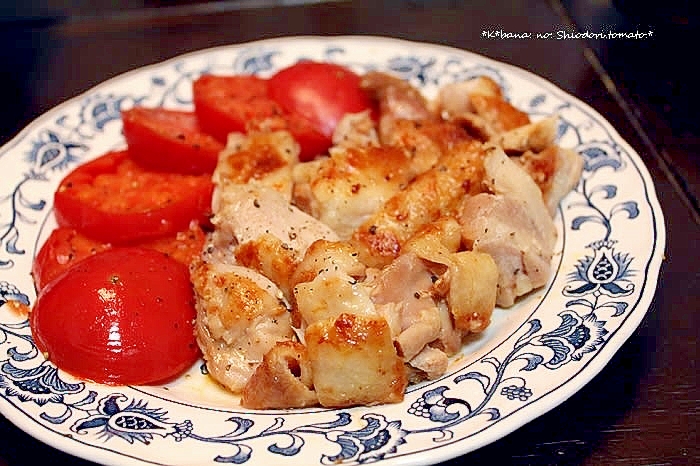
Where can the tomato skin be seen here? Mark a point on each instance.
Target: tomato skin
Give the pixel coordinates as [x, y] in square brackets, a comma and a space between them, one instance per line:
[123, 316]
[66, 246]
[226, 104]
[311, 142]
[169, 140]
[319, 92]
[62, 249]
[112, 199]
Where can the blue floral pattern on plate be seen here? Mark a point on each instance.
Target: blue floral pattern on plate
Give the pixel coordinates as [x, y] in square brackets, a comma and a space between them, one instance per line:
[611, 240]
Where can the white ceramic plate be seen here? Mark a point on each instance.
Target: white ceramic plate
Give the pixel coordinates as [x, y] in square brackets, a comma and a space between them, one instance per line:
[533, 357]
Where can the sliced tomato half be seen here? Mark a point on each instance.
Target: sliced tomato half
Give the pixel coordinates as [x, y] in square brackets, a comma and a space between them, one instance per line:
[66, 246]
[320, 92]
[169, 140]
[226, 104]
[121, 316]
[113, 199]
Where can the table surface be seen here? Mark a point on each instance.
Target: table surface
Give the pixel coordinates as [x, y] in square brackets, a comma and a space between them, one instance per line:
[642, 408]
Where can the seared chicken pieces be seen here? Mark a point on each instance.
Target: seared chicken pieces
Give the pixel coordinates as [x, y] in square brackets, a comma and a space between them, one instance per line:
[431, 195]
[345, 188]
[479, 105]
[338, 281]
[240, 317]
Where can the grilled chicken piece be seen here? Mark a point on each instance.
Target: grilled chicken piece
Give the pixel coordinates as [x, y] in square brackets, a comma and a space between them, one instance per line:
[283, 380]
[479, 105]
[502, 227]
[505, 177]
[327, 282]
[261, 158]
[271, 257]
[512, 225]
[431, 195]
[350, 344]
[331, 293]
[240, 317]
[402, 291]
[498, 114]
[398, 100]
[396, 97]
[343, 190]
[356, 130]
[555, 170]
[435, 243]
[260, 230]
[455, 98]
[354, 361]
[533, 137]
[425, 141]
[329, 256]
[430, 363]
[473, 278]
[247, 213]
[466, 280]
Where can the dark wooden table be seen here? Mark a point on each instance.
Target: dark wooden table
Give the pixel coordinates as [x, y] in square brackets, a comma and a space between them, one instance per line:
[642, 409]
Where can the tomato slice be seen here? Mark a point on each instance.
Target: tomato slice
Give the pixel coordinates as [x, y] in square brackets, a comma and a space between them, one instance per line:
[183, 246]
[113, 199]
[226, 104]
[62, 249]
[311, 142]
[122, 316]
[65, 247]
[319, 92]
[169, 140]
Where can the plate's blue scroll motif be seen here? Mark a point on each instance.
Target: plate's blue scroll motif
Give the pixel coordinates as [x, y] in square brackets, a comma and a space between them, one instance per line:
[597, 297]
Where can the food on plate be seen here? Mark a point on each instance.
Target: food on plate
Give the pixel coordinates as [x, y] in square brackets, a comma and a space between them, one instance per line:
[115, 303]
[226, 104]
[320, 92]
[113, 199]
[66, 246]
[169, 140]
[339, 280]
[351, 234]
[307, 99]
[63, 248]
[122, 316]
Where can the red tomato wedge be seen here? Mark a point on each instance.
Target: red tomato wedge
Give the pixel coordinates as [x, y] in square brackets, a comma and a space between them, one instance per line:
[113, 199]
[169, 140]
[122, 316]
[319, 92]
[226, 104]
[65, 247]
